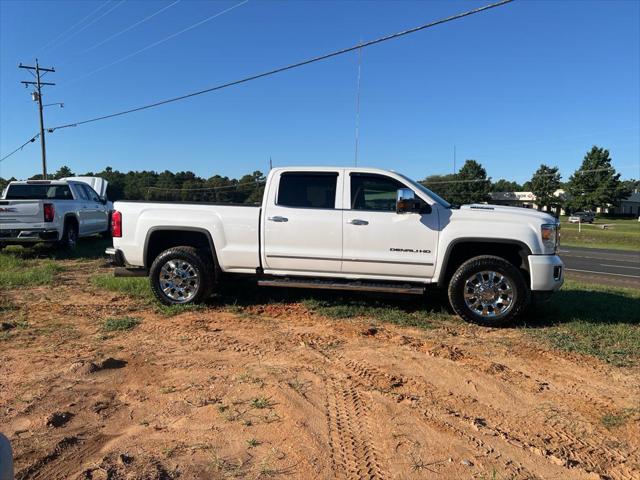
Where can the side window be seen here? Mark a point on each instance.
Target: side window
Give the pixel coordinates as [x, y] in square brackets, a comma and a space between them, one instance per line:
[374, 192]
[307, 190]
[91, 193]
[82, 194]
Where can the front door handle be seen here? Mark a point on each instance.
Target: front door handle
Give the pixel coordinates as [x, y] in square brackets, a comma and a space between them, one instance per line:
[357, 221]
[278, 219]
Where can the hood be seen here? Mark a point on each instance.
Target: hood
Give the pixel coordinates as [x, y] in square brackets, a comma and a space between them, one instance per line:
[481, 208]
[97, 183]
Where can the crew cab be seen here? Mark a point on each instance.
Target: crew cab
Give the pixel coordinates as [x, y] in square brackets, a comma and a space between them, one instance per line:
[54, 211]
[344, 228]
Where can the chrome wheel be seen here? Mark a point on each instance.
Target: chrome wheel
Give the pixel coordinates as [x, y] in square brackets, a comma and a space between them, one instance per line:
[489, 294]
[179, 280]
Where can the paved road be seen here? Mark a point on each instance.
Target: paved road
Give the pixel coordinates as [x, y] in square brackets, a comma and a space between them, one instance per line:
[610, 267]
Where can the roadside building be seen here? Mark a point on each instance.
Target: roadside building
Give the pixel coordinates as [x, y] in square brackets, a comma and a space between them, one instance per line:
[629, 206]
[522, 199]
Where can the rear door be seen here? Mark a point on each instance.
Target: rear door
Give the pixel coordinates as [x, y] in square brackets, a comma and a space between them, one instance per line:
[303, 222]
[83, 207]
[377, 240]
[98, 212]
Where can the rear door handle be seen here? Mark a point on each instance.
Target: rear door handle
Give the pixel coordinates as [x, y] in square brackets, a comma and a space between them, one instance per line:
[278, 219]
[357, 221]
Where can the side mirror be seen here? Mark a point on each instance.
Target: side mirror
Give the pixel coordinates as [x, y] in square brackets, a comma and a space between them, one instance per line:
[103, 200]
[406, 202]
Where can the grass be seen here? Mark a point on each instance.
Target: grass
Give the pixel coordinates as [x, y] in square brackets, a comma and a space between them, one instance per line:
[120, 324]
[252, 443]
[138, 288]
[617, 419]
[591, 319]
[87, 248]
[408, 314]
[17, 272]
[260, 402]
[622, 235]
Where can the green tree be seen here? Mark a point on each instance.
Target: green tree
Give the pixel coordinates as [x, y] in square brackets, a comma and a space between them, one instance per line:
[544, 182]
[471, 184]
[63, 172]
[596, 184]
[4, 182]
[503, 185]
[440, 184]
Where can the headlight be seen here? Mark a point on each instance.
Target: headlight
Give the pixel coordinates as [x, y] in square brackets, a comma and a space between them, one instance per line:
[549, 234]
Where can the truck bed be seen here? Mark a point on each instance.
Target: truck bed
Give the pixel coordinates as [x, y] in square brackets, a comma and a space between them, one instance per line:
[232, 228]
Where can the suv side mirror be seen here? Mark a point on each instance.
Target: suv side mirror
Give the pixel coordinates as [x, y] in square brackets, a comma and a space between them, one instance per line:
[103, 200]
[406, 202]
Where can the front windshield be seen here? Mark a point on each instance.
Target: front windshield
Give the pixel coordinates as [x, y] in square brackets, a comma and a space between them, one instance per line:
[439, 200]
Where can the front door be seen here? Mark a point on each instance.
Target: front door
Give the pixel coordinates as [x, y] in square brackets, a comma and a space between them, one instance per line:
[302, 226]
[377, 240]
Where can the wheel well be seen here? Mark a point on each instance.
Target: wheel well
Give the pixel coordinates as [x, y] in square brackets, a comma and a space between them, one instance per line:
[513, 252]
[71, 219]
[160, 240]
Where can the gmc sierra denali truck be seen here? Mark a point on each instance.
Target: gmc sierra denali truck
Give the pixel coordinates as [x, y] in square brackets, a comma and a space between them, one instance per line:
[344, 228]
[54, 211]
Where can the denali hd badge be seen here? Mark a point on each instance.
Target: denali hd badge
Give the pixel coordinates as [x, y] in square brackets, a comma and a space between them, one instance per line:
[409, 250]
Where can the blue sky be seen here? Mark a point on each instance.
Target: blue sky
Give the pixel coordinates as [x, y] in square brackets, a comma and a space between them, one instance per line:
[523, 84]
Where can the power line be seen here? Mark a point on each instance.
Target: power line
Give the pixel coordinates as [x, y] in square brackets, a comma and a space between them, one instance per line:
[291, 66]
[32, 139]
[130, 27]
[104, 14]
[155, 44]
[48, 44]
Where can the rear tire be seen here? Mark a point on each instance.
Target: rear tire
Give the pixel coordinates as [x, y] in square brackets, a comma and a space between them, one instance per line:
[489, 291]
[181, 276]
[69, 239]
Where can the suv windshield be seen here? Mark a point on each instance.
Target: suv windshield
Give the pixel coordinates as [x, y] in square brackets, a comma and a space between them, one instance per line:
[38, 192]
[441, 201]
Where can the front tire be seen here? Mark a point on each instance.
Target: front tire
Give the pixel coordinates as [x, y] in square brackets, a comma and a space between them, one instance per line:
[182, 275]
[489, 291]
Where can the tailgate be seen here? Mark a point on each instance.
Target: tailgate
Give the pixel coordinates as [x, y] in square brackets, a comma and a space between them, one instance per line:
[16, 212]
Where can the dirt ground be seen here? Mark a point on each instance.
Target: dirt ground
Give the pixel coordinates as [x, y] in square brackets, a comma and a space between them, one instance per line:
[275, 391]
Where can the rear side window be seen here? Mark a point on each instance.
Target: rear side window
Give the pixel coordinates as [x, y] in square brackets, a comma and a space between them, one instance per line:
[307, 190]
[39, 192]
[82, 194]
[91, 193]
[374, 192]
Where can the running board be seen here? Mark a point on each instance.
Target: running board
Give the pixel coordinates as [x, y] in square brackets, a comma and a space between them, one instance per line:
[358, 286]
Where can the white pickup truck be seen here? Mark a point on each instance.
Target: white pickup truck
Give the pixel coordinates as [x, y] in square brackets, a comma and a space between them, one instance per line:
[344, 228]
[57, 211]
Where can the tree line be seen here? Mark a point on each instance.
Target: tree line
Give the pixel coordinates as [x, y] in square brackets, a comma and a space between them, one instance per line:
[595, 184]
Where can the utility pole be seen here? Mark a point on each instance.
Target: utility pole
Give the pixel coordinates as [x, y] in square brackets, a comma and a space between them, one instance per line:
[454, 159]
[355, 162]
[37, 96]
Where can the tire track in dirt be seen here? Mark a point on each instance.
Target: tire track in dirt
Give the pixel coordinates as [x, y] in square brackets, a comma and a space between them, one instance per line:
[66, 457]
[353, 453]
[557, 446]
